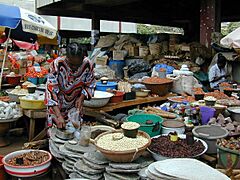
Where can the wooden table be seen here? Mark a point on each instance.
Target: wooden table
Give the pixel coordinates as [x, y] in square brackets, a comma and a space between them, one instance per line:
[33, 115]
[94, 112]
[113, 106]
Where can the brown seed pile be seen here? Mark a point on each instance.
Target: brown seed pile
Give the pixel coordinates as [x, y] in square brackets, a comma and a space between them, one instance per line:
[165, 147]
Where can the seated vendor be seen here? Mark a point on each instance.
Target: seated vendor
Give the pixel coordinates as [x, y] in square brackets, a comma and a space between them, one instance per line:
[217, 73]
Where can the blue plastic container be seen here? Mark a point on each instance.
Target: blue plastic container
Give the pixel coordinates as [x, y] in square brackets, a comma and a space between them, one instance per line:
[104, 87]
[117, 66]
[33, 80]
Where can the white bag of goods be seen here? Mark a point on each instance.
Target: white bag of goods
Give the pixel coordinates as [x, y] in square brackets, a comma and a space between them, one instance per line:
[184, 84]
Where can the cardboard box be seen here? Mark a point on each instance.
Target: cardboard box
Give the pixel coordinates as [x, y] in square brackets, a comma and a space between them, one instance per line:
[102, 60]
[133, 51]
[118, 55]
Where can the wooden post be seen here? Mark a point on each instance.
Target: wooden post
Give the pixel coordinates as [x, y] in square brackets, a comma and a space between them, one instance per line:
[210, 20]
[5, 57]
[95, 31]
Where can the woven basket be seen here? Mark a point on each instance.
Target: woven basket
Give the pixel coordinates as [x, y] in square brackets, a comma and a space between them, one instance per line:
[123, 156]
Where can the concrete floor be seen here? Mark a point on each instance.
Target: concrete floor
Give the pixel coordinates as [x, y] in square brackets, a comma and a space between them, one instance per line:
[16, 144]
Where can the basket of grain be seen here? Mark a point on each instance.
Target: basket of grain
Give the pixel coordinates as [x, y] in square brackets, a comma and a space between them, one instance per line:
[159, 86]
[119, 148]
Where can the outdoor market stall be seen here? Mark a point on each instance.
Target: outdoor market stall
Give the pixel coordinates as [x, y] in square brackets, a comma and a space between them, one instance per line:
[171, 124]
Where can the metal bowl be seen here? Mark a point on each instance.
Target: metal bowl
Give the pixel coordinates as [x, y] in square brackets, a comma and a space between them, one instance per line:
[235, 113]
[64, 134]
[99, 99]
[26, 171]
[142, 93]
[159, 157]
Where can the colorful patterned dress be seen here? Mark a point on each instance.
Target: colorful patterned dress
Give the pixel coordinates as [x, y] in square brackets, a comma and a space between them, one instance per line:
[65, 86]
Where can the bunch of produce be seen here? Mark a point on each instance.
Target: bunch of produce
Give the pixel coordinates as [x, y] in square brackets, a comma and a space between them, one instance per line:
[175, 149]
[9, 110]
[159, 112]
[32, 158]
[233, 127]
[33, 74]
[232, 143]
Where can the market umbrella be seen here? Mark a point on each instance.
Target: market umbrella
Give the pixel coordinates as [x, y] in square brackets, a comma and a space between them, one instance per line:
[23, 23]
[232, 40]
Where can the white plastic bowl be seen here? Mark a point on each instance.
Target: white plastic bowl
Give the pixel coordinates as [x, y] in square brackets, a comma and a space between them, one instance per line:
[99, 99]
[159, 157]
[25, 171]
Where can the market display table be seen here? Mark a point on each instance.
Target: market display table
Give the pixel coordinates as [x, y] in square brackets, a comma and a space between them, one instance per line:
[113, 106]
[34, 115]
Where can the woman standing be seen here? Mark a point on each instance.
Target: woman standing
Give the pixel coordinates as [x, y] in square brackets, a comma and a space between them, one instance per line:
[70, 81]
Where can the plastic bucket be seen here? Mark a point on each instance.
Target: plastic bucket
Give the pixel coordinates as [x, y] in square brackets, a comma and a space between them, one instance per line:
[2, 171]
[118, 97]
[117, 66]
[206, 114]
[42, 80]
[33, 80]
[31, 104]
[152, 129]
[105, 87]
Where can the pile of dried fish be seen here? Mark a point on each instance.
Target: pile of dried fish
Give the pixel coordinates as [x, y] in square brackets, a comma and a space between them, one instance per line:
[31, 158]
[159, 112]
